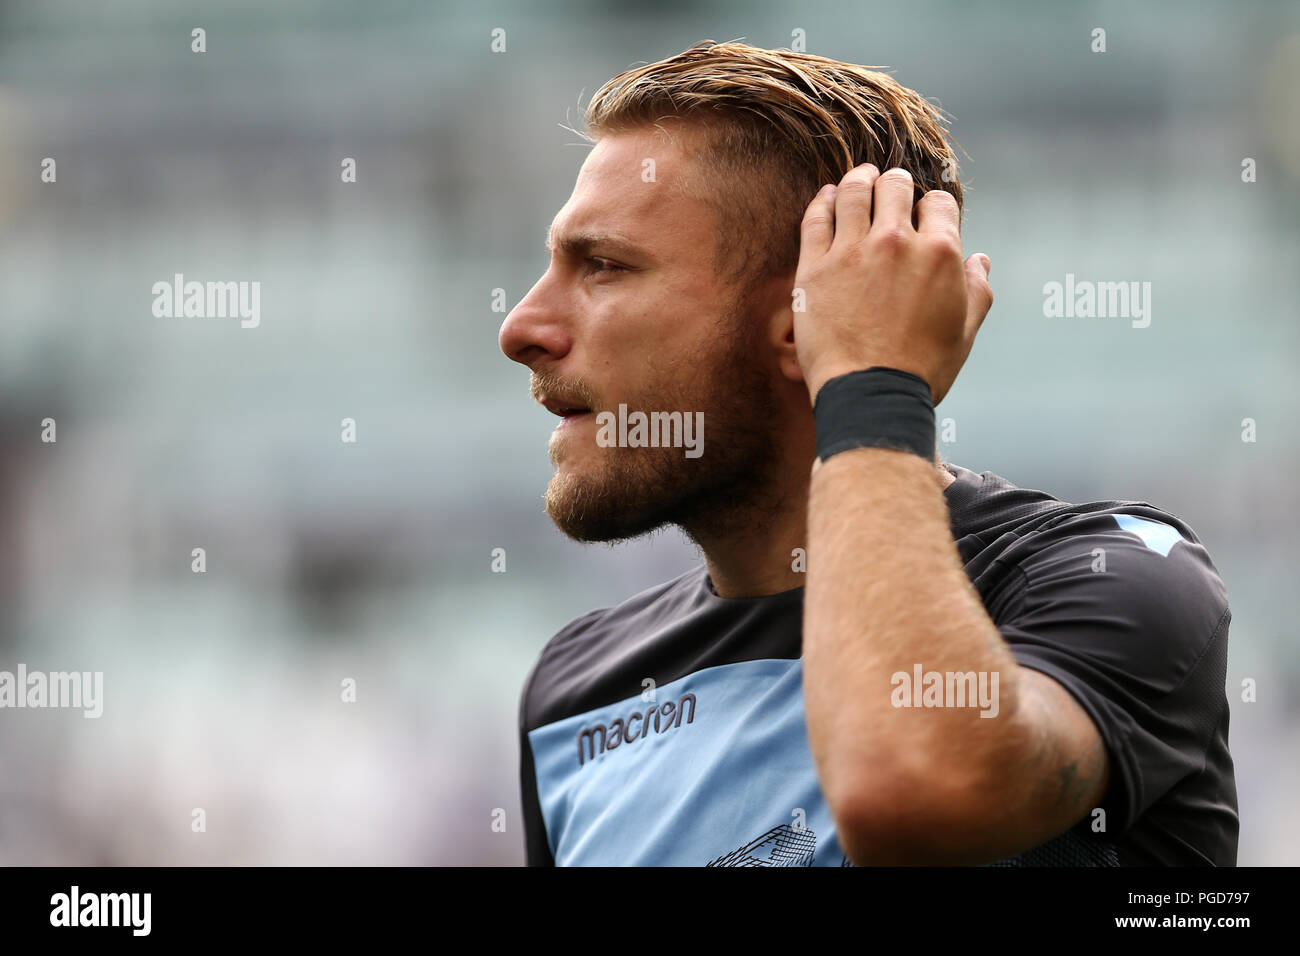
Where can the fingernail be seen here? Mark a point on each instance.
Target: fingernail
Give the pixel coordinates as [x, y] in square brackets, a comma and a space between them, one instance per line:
[988, 263]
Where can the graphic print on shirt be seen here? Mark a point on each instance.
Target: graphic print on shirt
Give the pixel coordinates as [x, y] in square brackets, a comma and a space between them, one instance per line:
[729, 758]
[780, 846]
[1156, 535]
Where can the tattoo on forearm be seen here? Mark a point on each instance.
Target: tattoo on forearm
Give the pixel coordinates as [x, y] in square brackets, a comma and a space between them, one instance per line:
[1080, 778]
[1069, 783]
[1075, 783]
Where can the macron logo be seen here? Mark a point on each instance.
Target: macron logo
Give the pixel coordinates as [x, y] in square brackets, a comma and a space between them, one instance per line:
[635, 726]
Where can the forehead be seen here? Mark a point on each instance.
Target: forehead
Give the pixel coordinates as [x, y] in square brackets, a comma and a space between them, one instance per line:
[644, 187]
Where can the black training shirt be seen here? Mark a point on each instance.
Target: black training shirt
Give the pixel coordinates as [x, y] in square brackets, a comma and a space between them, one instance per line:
[669, 730]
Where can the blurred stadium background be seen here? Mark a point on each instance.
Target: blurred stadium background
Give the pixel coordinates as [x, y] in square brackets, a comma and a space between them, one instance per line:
[371, 560]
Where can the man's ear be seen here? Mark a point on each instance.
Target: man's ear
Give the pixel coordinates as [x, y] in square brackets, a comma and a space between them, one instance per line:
[781, 327]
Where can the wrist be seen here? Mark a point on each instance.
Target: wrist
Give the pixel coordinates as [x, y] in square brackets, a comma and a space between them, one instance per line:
[819, 375]
[876, 407]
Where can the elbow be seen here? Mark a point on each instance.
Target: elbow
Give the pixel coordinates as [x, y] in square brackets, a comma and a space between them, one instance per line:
[950, 799]
[874, 837]
[914, 819]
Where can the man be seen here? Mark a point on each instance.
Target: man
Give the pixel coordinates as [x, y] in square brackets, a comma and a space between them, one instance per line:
[884, 659]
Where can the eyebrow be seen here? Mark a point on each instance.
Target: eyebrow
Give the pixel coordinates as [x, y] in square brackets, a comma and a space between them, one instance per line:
[580, 244]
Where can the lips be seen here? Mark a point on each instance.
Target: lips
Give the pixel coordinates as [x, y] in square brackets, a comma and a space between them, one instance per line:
[563, 408]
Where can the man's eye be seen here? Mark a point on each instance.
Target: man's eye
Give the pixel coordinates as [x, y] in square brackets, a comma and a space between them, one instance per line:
[596, 264]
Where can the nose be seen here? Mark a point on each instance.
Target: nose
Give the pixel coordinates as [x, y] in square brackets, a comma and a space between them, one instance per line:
[536, 328]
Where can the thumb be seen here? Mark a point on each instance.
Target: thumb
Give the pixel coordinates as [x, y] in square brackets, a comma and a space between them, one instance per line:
[979, 295]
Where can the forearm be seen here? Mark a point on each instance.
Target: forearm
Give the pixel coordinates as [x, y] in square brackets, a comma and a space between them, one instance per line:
[886, 591]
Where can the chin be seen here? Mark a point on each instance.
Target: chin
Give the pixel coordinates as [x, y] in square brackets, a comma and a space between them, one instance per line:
[567, 450]
[572, 467]
[594, 506]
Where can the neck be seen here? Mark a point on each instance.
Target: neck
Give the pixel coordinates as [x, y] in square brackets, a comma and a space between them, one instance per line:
[753, 552]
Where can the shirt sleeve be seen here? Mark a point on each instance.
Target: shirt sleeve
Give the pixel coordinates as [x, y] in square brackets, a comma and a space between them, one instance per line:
[1130, 616]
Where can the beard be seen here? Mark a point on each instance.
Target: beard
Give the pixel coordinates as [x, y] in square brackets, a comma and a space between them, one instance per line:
[628, 492]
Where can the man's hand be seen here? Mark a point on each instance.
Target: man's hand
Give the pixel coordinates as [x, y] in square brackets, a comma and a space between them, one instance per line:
[878, 291]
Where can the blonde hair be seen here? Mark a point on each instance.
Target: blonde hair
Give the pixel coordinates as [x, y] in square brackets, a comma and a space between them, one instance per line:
[776, 126]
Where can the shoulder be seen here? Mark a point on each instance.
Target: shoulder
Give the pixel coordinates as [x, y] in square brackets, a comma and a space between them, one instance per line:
[1125, 583]
[584, 646]
[1123, 548]
[653, 602]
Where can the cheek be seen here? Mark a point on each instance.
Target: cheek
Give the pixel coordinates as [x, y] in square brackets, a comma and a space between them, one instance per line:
[664, 350]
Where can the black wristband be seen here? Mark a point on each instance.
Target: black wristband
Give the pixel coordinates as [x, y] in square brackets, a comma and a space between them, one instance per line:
[875, 408]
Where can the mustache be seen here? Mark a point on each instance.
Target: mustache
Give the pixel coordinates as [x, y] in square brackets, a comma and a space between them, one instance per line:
[570, 391]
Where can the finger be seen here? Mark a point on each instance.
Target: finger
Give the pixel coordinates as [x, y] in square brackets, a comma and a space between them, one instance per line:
[818, 227]
[937, 212]
[853, 203]
[893, 202]
[979, 294]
